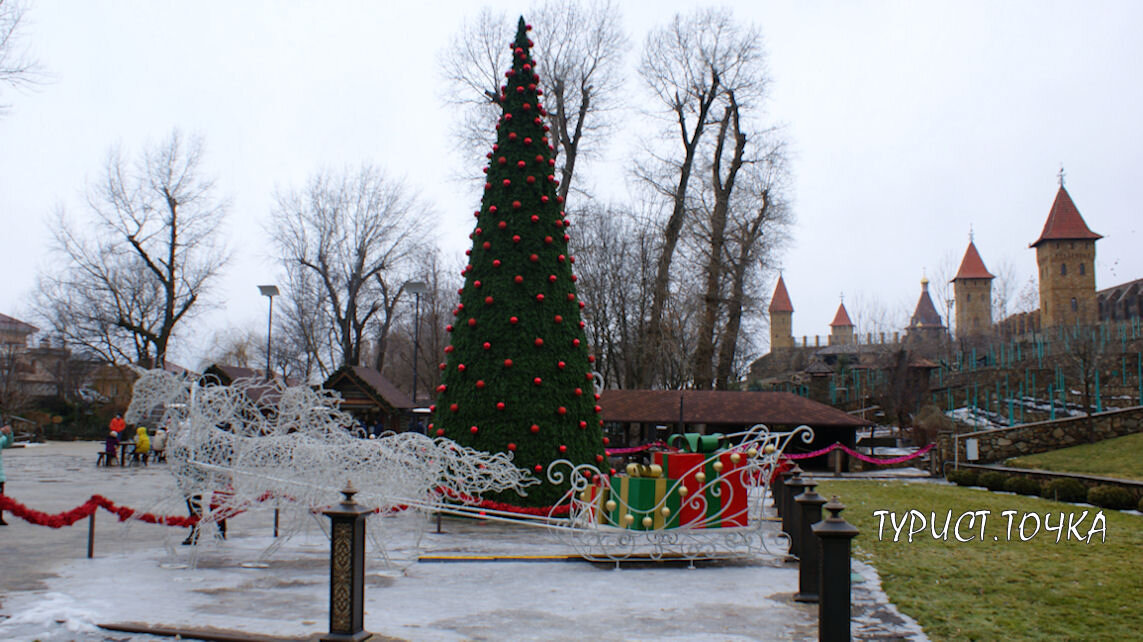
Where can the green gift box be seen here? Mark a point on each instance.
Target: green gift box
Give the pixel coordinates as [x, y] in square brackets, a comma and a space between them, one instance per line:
[644, 503]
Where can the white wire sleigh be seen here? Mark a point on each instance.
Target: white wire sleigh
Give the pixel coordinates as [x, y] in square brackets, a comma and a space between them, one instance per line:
[703, 506]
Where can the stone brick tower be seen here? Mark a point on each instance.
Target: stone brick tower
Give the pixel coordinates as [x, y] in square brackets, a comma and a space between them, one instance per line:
[972, 290]
[841, 328]
[1065, 254]
[781, 318]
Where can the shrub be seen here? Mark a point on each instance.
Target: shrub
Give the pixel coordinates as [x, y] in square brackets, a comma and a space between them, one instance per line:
[1065, 490]
[1140, 506]
[1022, 485]
[963, 477]
[993, 480]
[1115, 497]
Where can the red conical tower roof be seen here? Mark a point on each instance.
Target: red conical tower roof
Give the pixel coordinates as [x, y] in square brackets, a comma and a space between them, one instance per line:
[780, 302]
[1065, 223]
[841, 319]
[971, 266]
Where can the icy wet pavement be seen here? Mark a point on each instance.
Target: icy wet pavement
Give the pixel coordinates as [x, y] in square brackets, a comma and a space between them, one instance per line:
[50, 591]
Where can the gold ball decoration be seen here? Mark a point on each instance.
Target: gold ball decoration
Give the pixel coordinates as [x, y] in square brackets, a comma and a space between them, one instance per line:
[648, 522]
[700, 476]
[584, 496]
[656, 470]
[735, 458]
[753, 452]
[717, 466]
[769, 449]
[683, 490]
[628, 519]
[610, 505]
[666, 511]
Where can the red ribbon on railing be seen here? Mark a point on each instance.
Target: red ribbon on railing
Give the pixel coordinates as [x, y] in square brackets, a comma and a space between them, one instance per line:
[861, 456]
[561, 509]
[86, 509]
[639, 449]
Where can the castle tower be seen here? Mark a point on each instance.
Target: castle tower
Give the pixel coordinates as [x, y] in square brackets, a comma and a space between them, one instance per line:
[841, 328]
[926, 326]
[781, 318]
[1065, 254]
[972, 290]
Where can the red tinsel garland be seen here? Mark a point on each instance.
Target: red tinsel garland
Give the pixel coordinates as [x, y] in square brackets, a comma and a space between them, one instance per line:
[86, 509]
[559, 510]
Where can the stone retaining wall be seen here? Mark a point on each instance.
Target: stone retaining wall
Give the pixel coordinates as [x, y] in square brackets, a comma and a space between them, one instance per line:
[1028, 439]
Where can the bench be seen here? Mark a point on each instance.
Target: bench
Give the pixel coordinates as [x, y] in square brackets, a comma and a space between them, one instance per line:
[105, 459]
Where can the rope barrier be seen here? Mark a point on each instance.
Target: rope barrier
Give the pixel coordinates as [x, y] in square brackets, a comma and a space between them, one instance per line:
[86, 509]
[861, 456]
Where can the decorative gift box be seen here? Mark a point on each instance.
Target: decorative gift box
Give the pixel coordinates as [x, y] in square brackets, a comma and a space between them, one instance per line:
[714, 489]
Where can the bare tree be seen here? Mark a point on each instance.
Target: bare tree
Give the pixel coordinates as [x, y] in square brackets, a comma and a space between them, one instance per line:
[348, 240]
[143, 260]
[690, 65]
[18, 69]
[579, 49]
[1004, 290]
[617, 249]
[760, 212]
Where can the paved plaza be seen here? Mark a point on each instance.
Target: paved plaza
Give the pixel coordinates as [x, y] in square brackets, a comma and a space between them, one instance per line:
[142, 577]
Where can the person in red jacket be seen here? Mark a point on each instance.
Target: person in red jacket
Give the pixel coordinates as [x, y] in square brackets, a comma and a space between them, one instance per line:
[118, 425]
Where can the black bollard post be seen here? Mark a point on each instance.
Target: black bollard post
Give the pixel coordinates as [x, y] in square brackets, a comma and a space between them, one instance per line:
[347, 569]
[834, 600]
[791, 520]
[777, 488]
[786, 477]
[91, 535]
[809, 562]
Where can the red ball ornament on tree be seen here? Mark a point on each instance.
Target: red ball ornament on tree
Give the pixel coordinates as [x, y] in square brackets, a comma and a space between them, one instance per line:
[531, 180]
[575, 342]
[599, 459]
[537, 381]
[480, 384]
[535, 429]
[496, 263]
[487, 346]
[473, 430]
[440, 432]
[513, 320]
[518, 279]
[579, 392]
[507, 363]
[515, 204]
[558, 319]
[606, 441]
[540, 297]
[452, 407]
[488, 300]
[516, 238]
[583, 425]
[561, 365]
[460, 367]
[512, 447]
[486, 245]
[563, 448]
[471, 322]
[500, 405]
[535, 219]
[534, 258]
[507, 182]
[538, 468]
[561, 410]
[539, 342]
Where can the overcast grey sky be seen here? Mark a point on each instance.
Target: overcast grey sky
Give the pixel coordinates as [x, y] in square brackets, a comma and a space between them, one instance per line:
[909, 123]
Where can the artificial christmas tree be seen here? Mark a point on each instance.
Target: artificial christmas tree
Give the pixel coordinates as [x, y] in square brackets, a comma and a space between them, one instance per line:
[517, 376]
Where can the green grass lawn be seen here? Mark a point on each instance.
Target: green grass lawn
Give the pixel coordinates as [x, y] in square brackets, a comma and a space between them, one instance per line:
[1000, 588]
[1120, 457]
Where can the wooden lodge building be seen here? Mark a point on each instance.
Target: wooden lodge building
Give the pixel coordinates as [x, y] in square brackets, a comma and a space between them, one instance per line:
[640, 416]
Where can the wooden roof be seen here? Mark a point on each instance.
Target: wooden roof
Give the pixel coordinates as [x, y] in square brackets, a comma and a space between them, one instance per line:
[371, 383]
[722, 407]
[1064, 222]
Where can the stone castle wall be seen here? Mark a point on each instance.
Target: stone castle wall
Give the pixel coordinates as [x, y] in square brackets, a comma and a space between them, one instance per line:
[1029, 439]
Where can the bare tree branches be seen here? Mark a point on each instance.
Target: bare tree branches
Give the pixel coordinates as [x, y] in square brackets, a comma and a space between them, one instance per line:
[579, 47]
[18, 69]
[347, 241]
[690, 65]
[153, 253]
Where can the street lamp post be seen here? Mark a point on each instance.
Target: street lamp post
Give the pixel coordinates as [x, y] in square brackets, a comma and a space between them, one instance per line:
[269, 291]
[416, 288]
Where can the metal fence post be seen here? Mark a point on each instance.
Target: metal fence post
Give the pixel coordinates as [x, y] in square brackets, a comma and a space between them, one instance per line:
[809, 562]
[91, 535]
[834, 601]
[347, 569]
